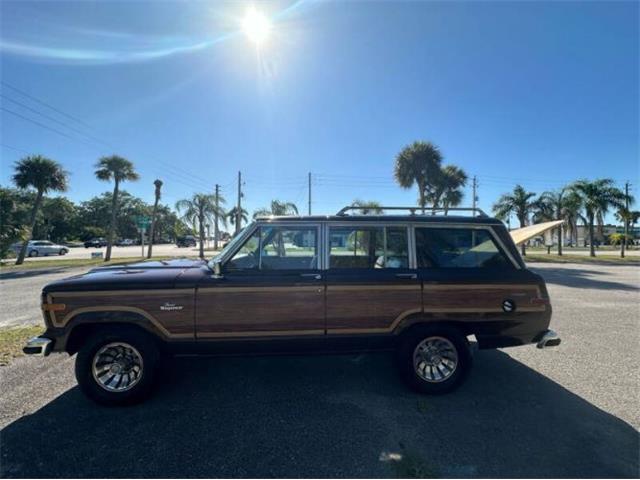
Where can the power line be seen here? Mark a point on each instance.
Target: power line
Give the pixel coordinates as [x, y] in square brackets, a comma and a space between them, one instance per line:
[13, 148]
[42, 102]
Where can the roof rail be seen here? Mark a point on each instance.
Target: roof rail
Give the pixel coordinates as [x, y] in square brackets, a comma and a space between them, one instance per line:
[415, 210]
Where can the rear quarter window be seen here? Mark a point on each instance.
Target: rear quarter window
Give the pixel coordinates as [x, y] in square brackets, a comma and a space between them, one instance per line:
[458, 248]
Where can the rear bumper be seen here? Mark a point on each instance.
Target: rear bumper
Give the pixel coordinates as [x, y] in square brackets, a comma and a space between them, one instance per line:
[38, 346]
[542, 339]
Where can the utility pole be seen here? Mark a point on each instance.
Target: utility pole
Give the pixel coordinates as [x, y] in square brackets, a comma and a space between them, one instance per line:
[309, 193]
[625, 219]
[215, 218]
[475, 196]
[239, 205]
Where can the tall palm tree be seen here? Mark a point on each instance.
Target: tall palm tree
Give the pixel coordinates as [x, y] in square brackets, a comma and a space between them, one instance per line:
[43, 175]
[218, 215]
[450, 185]
[198, 211]
[368, 207]
[119, 170]
[597, 197]
[158, 184]
[559, 204]
[277, 208]
[571, 212]
[419, 164]
[232, 215]
[518, 203]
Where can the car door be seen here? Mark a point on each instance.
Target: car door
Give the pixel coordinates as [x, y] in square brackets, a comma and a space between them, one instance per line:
[271, 285]
[371, 282]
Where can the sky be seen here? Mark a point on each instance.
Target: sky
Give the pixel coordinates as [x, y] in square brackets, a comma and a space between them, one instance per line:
[539, 93]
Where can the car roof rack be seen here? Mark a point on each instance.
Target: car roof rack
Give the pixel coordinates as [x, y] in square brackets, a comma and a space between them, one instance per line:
[415, 210]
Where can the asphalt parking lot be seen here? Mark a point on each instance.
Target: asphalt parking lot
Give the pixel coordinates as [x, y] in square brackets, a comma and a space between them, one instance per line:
[565, 412]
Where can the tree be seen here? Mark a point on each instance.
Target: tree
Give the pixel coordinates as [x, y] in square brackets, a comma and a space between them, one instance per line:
[218, 215]
[450, 184]
[518, 203]
[596, 198]
[560, 205]
[232, 215]
[418, 164]
[572, 208]
[196, 211]
[118, 169]
[277, 208]
[158, 186]
[368, 207]
[43, 175]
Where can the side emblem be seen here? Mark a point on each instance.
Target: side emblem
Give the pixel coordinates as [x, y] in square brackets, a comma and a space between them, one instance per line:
[170, 307]
[508, 305]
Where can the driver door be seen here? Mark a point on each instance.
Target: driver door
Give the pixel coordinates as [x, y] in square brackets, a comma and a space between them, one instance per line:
[271, 286]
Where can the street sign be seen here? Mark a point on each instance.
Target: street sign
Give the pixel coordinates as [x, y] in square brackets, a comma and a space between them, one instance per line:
[142, 222]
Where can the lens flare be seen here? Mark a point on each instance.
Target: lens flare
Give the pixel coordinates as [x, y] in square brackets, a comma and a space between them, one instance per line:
[256, 26]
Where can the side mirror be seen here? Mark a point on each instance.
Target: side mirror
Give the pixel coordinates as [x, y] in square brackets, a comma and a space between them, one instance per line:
[217, 268]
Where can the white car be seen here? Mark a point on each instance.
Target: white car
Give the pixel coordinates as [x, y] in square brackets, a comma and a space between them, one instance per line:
[37, 248]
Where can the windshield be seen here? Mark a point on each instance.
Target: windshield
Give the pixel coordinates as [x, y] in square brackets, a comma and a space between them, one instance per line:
[231, 245]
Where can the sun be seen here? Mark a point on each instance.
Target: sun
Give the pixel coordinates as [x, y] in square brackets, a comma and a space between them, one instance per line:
[256, 26]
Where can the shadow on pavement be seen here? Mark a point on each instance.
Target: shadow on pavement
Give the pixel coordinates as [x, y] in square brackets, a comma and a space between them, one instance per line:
[333, 416]
[581, 278]
[31, 272]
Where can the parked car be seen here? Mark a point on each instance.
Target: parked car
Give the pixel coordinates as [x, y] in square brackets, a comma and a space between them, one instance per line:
[96, 243]
[415, 284]
[38, 248]
[125, 242]
[186, 241]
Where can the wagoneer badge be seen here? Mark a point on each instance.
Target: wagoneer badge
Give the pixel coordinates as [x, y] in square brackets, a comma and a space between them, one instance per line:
[169, 307]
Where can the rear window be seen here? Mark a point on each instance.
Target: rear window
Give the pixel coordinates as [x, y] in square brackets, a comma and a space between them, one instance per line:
[458, 248]
[368, 247]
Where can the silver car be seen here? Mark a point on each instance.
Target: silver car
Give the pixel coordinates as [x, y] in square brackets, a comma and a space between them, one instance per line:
[37, 248]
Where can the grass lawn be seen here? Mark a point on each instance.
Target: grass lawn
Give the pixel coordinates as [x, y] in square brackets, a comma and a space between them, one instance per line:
[605, 259]
[75, 262]
[12, 339]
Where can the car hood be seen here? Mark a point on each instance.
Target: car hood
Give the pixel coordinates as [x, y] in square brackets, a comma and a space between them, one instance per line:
[158, 274]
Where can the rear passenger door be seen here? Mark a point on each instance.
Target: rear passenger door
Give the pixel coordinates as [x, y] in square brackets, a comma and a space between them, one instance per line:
[370, 283]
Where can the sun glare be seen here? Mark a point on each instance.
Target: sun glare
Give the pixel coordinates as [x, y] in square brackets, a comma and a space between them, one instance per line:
[256, 26]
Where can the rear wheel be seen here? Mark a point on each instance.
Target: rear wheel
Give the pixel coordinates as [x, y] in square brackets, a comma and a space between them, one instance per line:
[434, 359]
[62, 251]
[33, 253]
[117, 366]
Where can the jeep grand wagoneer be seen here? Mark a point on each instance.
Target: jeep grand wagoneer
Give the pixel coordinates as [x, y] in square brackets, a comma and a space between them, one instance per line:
[419, 284]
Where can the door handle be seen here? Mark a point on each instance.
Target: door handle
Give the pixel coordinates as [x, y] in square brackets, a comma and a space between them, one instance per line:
[315, 276]
[408, 276]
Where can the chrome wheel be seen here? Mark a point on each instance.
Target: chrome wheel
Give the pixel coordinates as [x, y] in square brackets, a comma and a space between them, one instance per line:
[435, 359]
[117, 367]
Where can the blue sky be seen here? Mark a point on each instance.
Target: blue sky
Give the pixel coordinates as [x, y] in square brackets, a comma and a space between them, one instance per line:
[536, 92]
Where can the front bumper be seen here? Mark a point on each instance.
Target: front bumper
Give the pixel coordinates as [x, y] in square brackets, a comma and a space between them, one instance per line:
[38, 346]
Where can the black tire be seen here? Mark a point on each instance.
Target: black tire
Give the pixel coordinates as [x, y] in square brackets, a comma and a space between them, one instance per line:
[62, 251]
[405, 359]
[145, 345]
[33, 253]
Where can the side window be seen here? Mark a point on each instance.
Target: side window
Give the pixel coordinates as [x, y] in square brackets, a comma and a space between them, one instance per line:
[368, 247]
[458, 248]
[278, 248]
[289, 248]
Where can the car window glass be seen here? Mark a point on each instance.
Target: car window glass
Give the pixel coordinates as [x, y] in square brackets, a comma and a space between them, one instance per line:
[248, 256]
[457, 248]
[288, 248]
[368, 247]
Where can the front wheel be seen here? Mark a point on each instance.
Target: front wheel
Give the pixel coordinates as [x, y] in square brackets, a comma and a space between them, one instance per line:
[62, 251]
[33, 253]
[434, 359]
[117, 366]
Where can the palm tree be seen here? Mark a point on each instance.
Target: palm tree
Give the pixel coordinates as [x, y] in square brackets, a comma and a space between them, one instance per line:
[559, 204]
[158, 184]
[519, 203]
[419, 164]
[118, 169]
[451, 182]
[198, 211]
[232, 215]
[597, 197]
[218, 215]
[44, 175]
[368, 207]
[572, 208]
[277, 208]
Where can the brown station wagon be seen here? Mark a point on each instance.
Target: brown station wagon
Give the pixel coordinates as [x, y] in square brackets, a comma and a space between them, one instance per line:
[418, 284]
